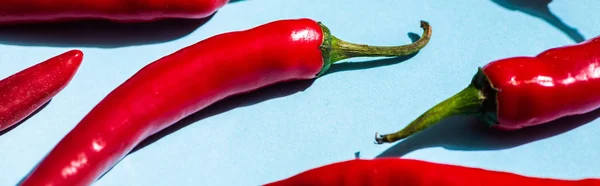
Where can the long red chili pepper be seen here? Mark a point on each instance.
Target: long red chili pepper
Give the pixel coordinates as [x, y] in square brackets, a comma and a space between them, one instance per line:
[191, 79]
[518, 92]
[31, 11]
[394, 171]
[24, 92]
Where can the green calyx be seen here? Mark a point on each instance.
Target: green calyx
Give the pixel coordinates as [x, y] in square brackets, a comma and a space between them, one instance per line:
[479, 99]
[488, 112]
[334, 49]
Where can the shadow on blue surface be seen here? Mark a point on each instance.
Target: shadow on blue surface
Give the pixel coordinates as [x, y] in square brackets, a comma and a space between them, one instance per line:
[255, 97]
[469, 134]
[98, 33]
[260, 95]
[540, 9]
[25, 119]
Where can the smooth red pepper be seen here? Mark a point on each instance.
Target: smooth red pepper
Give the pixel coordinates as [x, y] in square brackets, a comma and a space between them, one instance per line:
[518, 92]
[20, 11]
[191, 79]
[394, 171]
[26, 91]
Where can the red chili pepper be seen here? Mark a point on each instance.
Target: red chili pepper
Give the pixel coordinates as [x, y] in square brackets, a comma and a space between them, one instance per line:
[191, 79]
[394, 171]
[518, 92]
[19, 11]
[26, 91]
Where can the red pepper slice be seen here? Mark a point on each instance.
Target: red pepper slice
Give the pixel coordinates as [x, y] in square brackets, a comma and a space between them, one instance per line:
[518, 92]
[19, 11]
[394, 171]
[182, 83]
[26, 91]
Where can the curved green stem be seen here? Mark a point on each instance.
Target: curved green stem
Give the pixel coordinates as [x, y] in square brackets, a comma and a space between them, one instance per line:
[471, 100]
[335, 49]
[466, 101]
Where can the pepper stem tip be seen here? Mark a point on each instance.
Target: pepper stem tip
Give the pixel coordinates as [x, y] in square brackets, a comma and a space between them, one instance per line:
[378, 138]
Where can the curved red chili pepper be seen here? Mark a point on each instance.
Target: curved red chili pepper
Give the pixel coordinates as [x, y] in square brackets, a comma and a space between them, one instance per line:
[394, 171]
[191, 79]
[26, 91]
[519, 92]
[19, 11]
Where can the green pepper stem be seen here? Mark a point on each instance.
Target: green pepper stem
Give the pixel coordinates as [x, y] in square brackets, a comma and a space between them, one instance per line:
[468, 101]
[335, 49]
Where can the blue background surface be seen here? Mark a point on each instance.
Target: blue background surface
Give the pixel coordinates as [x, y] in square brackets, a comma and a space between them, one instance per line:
[278, 132]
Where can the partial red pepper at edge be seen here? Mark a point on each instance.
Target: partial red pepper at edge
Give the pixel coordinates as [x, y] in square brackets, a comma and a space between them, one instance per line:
[518, 92]
[395, 171]
[36, 11]
[24, 92]
[182, 83]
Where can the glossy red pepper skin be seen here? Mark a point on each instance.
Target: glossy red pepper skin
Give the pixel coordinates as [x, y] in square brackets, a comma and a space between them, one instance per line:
[20, 11]
[24, 92]
[176, 86]
[394, 171]
[556, 83]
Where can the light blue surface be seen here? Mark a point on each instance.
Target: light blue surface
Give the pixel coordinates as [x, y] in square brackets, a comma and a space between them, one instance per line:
[279, 132]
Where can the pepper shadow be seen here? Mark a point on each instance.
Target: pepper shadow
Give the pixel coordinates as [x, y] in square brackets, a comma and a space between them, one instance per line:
[242, 100]
[540, 9]
[227, 104]
[98, 33]
[467, 133]
[25, 119]
[347, 66]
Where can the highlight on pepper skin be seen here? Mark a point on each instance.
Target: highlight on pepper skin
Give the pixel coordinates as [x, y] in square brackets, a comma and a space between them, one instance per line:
[24, 92]
[26, 12]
